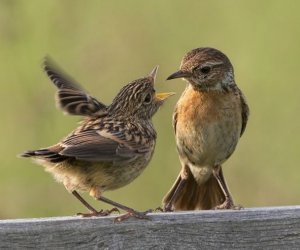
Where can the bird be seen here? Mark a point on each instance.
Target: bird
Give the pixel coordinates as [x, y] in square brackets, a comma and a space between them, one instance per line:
[112, 145]
[209, 118]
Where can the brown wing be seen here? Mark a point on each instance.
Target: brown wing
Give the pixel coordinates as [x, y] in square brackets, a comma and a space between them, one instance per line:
[71, 98]
[175, 114]
[245, 109]
[95, 145]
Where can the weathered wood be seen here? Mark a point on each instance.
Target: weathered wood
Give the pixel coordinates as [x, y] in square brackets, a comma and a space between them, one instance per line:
[254, 228]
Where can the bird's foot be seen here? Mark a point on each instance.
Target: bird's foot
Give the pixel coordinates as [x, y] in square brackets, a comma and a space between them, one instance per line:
[158, 209]
[136, 214]
[99, 213]
[168, 208]
[155, 210]
[228, 204]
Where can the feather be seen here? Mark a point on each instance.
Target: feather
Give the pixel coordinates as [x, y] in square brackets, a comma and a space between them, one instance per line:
[71, 97]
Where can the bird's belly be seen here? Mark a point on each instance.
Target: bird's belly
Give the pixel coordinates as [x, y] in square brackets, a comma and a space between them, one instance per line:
[85, 176]
[125, 174]
[207, 141]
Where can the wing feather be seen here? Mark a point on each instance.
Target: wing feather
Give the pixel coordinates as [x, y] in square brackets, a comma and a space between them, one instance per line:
[89, 145]
[245, 110]
[70, 97]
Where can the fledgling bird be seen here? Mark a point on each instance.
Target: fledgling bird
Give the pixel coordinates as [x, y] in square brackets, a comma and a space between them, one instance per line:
[209, 118]
[111, 147]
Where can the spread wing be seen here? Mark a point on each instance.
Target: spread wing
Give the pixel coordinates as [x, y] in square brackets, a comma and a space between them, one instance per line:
[71, 98]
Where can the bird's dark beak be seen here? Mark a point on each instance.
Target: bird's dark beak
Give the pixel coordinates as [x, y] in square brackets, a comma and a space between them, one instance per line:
[179, 74]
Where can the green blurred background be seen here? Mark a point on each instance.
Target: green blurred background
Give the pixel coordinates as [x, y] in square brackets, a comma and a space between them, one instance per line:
[105, 44]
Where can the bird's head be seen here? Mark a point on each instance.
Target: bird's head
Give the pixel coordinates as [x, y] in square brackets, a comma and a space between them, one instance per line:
[138, 98]
[206, 69]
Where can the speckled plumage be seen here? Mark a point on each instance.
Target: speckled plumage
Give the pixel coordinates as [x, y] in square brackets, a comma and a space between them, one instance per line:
[208, 120]
[113, 144]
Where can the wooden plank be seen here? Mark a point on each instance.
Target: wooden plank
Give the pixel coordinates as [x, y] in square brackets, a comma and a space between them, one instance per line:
[254, 228]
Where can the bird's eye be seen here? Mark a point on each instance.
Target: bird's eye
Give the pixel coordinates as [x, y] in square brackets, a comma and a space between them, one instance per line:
[205, 69]
[148, 99]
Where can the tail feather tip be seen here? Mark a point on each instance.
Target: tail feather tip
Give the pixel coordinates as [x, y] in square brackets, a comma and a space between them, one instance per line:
[28, 153]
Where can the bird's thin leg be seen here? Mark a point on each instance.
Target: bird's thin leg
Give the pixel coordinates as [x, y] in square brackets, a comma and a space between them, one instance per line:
[228, 203]
[168, 206]
[93, 211]
[130, 212]
[84, 202]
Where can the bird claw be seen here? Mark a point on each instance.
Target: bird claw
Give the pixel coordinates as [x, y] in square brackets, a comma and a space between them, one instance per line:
[100, 213]
[237, 207]
[136, 214]
[228, 204]
[159, 209]
[167, 209]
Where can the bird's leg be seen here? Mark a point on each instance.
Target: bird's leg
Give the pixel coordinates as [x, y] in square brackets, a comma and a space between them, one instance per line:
[93, 211]
[228, 203]
[168, 206]
[130, 212]
[179, 185]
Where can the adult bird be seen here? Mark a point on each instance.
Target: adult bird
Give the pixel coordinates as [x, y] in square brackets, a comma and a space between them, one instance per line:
[209, 119]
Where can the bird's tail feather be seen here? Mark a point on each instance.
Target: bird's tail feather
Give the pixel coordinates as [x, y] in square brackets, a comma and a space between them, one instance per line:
[194, 196]
[45, 154]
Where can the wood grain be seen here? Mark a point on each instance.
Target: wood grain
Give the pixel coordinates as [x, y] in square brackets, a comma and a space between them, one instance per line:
[254, 228]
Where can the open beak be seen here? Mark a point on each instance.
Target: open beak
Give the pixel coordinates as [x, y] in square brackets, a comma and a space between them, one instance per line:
[153, 73]
[179, 74]
[163, 96]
